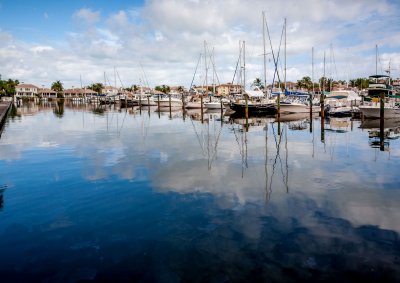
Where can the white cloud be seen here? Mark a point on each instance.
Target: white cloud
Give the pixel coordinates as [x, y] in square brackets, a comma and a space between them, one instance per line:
[166, 37]
[39, 49]
[87, 15]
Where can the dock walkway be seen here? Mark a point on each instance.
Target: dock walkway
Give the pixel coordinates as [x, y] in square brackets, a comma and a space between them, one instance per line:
[4, 107]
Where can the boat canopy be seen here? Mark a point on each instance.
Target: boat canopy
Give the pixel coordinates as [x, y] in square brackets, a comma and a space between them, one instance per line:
[254, 93]
[296, 93]
[378, 76]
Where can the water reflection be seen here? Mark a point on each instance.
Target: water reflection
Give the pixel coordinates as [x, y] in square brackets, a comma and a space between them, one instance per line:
[380, 135]
[199, 197]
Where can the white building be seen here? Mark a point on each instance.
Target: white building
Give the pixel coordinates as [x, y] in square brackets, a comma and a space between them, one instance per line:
[26, 90]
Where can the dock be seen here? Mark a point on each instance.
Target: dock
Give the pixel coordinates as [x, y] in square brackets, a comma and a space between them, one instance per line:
[4, 107]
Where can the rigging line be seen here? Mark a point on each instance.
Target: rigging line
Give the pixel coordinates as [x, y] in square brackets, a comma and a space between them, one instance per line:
[119, 78]
[195, 71]
[278, 145]
[237, 64]
[277, 59]
[273, 165]
[214, 69]
[122, 124]
[272, 50]
[145, 77]
[198, 138]
[215, 147]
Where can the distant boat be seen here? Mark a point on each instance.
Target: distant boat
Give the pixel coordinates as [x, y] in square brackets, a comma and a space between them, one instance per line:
[380, 84]
[374, 111]
[167, 101]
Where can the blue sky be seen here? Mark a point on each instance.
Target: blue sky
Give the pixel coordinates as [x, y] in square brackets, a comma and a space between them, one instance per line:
[44, 41]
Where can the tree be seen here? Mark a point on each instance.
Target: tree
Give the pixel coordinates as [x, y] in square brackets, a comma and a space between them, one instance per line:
[305, 83]
[163, 88]
[257, 83]
[8, 87]
[58, 87]
[97, 87]
[59, 110]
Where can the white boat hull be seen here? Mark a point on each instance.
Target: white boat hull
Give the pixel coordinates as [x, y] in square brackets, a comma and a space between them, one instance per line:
[213, 105]
[296, 108]
[193, 105]
[172, 103]
[375, 112]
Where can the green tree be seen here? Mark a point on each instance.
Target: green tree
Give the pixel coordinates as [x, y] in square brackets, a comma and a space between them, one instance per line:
[257, 83]
[8, 87]
[97, 87]
[58, 87]
[163, 88]
[59, 109]
[305, 83]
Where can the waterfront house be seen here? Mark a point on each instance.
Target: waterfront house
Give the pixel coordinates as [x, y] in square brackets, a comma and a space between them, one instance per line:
[26, 90]
[110, 90]
[47, 93]
[227, 89]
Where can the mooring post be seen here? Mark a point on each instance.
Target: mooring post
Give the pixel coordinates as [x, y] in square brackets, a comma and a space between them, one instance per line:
[382, 121]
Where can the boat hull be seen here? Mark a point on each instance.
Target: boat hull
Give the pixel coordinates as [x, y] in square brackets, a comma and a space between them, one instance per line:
[193, 105]
[172, 103]
[375, 112]
[293, 108]
[253, 109]
[213, 105]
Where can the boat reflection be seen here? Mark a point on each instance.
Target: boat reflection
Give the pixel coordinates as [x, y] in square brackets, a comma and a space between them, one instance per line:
[379, 133]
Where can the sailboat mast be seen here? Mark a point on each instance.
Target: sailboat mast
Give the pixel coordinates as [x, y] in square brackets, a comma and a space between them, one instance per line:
[264, 53]
[323, 81]
[285, 57]
[205, 66]
[244, 65]
[376, 59]
[312, 69]
[213, 71]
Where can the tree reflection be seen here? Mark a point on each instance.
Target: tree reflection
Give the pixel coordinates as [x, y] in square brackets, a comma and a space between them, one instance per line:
[59, 110]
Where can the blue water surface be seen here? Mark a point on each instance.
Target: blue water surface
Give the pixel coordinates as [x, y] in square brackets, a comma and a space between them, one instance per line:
[103, 194]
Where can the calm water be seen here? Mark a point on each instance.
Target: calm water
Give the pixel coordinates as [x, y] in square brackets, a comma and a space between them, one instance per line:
[115, 195]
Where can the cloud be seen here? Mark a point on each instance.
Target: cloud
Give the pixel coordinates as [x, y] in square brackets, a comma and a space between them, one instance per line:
[166, 38]
[87, 15]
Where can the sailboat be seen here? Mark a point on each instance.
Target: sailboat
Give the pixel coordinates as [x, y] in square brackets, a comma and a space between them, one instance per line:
[254, 102]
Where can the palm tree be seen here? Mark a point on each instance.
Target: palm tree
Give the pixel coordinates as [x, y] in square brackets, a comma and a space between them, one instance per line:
[8, 87]
[163, 88]
[58, 87]
[257, 83]
[97, 87]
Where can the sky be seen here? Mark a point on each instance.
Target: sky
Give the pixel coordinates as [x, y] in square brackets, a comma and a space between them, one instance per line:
[154, 42]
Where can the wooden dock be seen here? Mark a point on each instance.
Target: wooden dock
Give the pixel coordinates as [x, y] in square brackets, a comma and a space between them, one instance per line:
[4, 107]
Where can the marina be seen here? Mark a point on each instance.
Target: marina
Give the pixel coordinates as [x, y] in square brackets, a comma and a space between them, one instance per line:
[199, 141]
[175, 196]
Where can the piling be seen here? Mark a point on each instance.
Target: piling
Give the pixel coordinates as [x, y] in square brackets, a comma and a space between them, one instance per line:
[311, 116]
[382, 122]
[170, 108]
[201, 107]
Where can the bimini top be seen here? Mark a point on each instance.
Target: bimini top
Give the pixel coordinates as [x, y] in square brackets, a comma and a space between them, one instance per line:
[378, 76]
[254, 93]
